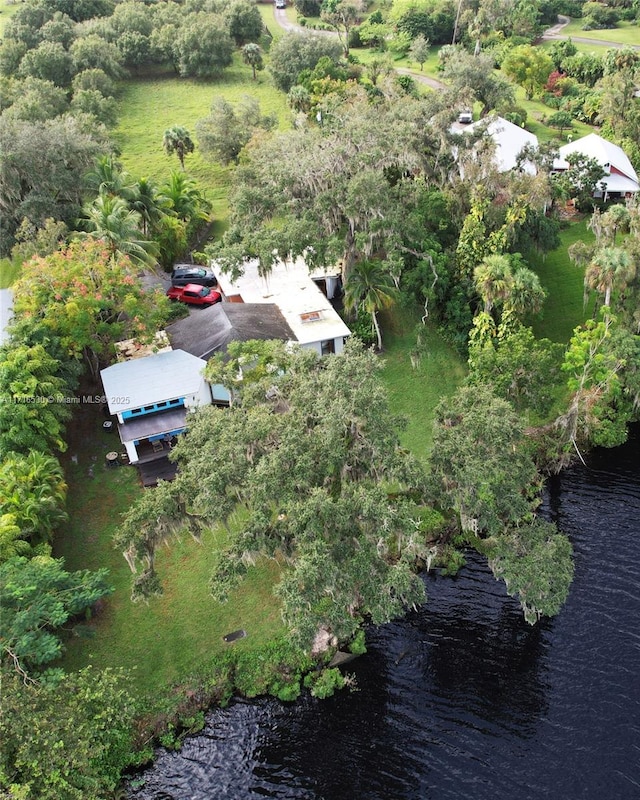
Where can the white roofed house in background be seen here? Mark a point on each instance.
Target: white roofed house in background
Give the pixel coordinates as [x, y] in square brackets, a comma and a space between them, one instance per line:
[508, 142]
[620, 180]
[151, 397]
[296, 292]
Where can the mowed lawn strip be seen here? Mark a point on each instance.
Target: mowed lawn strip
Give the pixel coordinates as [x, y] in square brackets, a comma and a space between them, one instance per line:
[564, 308]
[626, 33]
[414, 393]
[171, 636]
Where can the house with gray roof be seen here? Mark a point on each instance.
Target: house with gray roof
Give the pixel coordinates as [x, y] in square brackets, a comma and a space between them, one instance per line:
[210, 330]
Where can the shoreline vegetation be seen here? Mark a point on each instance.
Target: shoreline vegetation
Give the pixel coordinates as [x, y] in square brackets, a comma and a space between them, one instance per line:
[163, 661]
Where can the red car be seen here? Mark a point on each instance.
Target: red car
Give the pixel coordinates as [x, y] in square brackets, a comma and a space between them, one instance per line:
[194, 295]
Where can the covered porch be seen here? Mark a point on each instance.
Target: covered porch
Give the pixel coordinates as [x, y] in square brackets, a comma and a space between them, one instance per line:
[151, 437]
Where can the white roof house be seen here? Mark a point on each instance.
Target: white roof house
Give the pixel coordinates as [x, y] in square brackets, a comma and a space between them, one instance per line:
[314, 322]
[509, 140]
[144, 381]
[151, 397]
[621, 178]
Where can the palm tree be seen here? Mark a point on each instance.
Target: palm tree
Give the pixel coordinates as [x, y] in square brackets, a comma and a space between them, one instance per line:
[34, 492]
[149, 203]
[178, 140]
[493, 280]
[610, 267]
[615, 219]
[185, 199]
[110, 220]
[370, 288]
[107, 177]
[252, 55]
[527, 295]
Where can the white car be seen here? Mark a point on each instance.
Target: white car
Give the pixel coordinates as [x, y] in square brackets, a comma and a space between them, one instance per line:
[281, 3]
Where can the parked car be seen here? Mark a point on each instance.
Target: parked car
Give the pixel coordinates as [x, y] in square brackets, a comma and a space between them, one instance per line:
[182, 274]
[194, 295]
[281, 3]
[465, 117]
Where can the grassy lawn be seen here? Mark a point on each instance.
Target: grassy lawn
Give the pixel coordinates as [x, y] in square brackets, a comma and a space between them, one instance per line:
[625, 33]
[7, 9]
[9, 272]
[171, 636]
[148, 106]
[564, 308]
[537, 111]
[415, 393]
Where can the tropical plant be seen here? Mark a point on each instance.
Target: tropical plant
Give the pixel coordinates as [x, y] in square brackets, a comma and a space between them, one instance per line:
[178, 140]
[370, 287]
[252, 55]
[110, 220]
[33, 492]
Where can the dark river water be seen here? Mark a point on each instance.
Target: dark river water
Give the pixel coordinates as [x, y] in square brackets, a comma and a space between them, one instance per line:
[463, 699]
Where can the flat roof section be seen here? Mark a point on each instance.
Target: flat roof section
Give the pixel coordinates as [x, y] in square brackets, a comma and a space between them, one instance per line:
[307, 311]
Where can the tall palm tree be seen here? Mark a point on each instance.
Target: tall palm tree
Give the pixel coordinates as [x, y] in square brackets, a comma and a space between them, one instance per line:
[149, 203]
[370, 287]
[110, 220]
[252, 56]
[493, 280]
[527, 295]
[611, 267]
[178, 140]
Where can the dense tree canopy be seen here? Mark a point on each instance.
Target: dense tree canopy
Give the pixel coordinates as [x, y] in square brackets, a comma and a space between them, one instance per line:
[90, 299]
[42, 170]
[38, 597]
[72, 739]
[304, 454]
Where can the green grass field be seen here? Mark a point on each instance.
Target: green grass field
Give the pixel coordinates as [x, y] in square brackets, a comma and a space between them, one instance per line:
[564, 309]
[148, 106]
[625, 33]
[414, 393]
[170, 637]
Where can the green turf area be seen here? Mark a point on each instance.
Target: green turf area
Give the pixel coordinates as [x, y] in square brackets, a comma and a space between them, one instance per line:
[7, 9]
[9, 271]
[625, 33]
[537, 111]
[169, 637]
[563, 309]
[148, 106]
[414, 393]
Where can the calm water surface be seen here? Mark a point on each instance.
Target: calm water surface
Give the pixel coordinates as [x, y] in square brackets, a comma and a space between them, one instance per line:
[463, 699]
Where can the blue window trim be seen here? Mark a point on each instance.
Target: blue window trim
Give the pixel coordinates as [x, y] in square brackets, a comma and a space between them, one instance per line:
[153, 408]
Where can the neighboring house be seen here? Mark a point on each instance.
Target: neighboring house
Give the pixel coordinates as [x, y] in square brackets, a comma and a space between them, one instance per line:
[151, 397]
[621, 179]
[297, 294]
[509, 141]
[208, 331]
